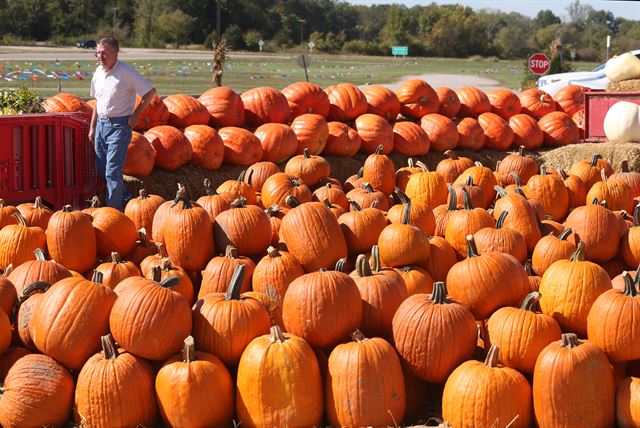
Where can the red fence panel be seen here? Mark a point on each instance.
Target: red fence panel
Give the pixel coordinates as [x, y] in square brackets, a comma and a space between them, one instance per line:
[47, 155]
[596, 105]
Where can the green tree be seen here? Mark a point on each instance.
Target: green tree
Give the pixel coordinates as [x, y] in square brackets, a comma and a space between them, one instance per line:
[174, 27]
[545, 18]
[251, 39]
[396, 28]
[28, 19]
[145, 24]
[234, 37]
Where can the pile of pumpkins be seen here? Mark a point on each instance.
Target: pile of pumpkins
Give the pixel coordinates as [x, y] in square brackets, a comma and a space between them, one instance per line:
[288, 298]
[265, 124]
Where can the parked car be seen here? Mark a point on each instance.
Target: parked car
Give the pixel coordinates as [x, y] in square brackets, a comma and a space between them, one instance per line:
[594, 79]
[86, 44]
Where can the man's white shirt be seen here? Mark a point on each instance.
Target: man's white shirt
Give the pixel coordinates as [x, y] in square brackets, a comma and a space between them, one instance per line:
[115, 90]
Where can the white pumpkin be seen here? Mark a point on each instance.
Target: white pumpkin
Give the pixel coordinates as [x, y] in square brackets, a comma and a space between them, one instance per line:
[622, 122]
[622, 67]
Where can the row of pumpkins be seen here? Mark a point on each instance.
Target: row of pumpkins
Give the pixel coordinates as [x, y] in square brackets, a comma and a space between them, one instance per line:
[281, 298]
[264, 124]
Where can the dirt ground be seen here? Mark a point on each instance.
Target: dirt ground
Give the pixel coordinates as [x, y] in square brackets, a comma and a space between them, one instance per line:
[165, 183]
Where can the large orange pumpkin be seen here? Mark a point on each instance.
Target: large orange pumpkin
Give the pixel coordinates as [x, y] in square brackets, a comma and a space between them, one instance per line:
[264, 105]
[207, 146]
[498, 134]
[417, 98]
[342, 140]
[141, 158]
[224, 106]
[155, 114]
[241, 147]
[374, 131]
[171, 146]
[473, 101]
[311, 131]
[347, 102]
[410, 139]
[306, 97]
[449, 101]
[442, 131]
[536, 102]
[558, 129]
[65, 102]
[382, 101]
[279, 142]
[184, 110]
[570, 99]
[470, 134]
[526, 131]
[504, 102]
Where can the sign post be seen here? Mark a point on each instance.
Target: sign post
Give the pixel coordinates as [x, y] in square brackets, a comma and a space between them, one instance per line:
[539, 63]
[311, 45]
[399, 50]
[304, 61]
[260, 44]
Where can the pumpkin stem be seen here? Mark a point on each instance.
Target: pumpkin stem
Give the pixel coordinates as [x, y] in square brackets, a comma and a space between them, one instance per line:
[516, 179]
[624, 165]
[168, 282]
[143, 194]
[231, 252]
[161, 250]
[368, 187]
[478, 164]
[40, 256]
[594, 159]
[565, 234]
[109, 347]
[327, 203]
[468, 205]
[240, 202]
[423, 166]
[569, 340]
[363, 268]
[453, 202]
[543, 170]
[451, 154]
[115, 257]
[578, 255]
[636, 215]
[210, 191]
[563, 174]
[519, 191]
[531, 302]
[166, 265]
[276, 334]
[472, 250]
[439, 293]
[629, 285]
[379, 149]
[492, 356]
[38, 203]
[242, 175]
[273, 210]
[340, 264]
[360, 172]
[306, 154]
[273, 252]
[411, 163]
[357, 336]
[469, 181]
[142, 237]
[500, 221]
[186, 202]
[7, 270]
[95, 202]
[189, 350]
[500, 190]
[67, 209]
[376, 265]
[21, 220]
[603, 175]
[292, 201]
[235, 285]
[521, 151]
[97, 276]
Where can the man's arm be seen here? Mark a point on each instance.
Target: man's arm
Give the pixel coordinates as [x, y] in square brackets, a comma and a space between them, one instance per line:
[144, 102]
[92, 127]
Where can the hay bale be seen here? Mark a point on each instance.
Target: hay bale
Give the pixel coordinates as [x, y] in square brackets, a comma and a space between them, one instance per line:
[632, 85]
[165, 183]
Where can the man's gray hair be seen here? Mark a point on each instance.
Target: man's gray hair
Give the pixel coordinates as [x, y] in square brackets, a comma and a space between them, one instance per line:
[111, 41]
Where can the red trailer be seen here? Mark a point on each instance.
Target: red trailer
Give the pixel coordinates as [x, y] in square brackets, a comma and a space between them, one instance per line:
[596, 105]
[47, 155]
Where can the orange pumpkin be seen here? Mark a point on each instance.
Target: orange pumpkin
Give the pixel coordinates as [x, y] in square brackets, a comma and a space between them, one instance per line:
[278, 140]
[536, 102]
[264, 105]
[65, 102]
[374, 131]
[381, 101]
[442, 132]
[558, 129]
[417, 98]
[410, 139]
[155, 114]
[347, 102]
[570, 99]
[306, 97]
[141, 158]
[526, 131]
[224, 106]
[449, 101]
[207, 147]
[473, 101]
[185, 110]
[311, 131]
[36, 213]
[504, 102]
[498, 134]
[470, 134]
[342, 140]
[241, 147]
[172, 148]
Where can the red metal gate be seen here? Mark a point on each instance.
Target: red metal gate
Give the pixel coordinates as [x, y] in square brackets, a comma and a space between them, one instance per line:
[47, 155]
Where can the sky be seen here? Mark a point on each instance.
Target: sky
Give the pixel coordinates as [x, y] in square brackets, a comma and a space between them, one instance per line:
[624, 9]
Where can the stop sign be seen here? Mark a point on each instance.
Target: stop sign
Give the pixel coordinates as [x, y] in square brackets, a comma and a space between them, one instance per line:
[539, 63]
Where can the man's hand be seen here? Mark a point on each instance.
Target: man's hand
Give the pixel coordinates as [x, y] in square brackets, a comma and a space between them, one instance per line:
[92, 134]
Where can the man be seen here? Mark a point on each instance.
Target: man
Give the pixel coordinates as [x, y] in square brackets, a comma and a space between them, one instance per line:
[115, 85]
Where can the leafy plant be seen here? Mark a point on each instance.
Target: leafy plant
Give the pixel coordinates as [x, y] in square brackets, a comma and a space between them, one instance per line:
[19, 101]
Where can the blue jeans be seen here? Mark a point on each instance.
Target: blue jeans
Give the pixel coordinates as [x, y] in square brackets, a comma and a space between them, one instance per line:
[111, 141]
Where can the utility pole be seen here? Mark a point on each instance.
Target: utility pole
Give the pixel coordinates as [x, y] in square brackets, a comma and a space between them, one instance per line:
[218, 20]
[301, 21]
[115, 9]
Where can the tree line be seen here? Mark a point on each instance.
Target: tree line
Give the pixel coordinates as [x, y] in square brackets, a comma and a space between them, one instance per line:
[333, 25]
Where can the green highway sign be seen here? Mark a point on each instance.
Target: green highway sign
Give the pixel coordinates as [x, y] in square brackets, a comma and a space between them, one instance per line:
[399, 50]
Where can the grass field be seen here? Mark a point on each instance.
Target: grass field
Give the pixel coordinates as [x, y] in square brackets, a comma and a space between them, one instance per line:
[244, 72]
